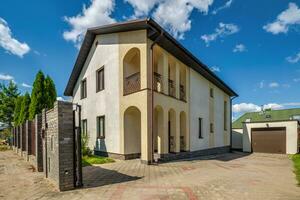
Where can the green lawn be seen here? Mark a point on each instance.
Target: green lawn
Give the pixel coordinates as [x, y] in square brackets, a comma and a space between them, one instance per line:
[296, 160]
[92, 159]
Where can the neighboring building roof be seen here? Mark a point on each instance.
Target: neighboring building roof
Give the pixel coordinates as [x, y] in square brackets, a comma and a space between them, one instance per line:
[267, 116]
[166, 41]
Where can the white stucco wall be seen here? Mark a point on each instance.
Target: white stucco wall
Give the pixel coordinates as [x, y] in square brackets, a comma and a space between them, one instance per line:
[237, 138]
[199, 108]
[105, 102]
[291, 134]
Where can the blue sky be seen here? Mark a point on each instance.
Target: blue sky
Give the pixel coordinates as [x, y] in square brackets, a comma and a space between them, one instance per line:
[252, 45]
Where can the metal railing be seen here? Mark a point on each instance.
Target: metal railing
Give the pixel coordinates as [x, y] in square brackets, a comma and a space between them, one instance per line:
[182, 93]
[172, 88]
[132, 83]
[157, 82]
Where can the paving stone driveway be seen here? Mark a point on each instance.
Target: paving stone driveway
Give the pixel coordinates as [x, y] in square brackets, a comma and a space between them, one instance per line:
[227, 176]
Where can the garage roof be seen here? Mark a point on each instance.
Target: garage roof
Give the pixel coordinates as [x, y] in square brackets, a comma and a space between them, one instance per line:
[154, 30]
[267, 116]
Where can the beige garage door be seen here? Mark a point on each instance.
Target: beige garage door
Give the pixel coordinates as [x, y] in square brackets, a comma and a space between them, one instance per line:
[268, 140]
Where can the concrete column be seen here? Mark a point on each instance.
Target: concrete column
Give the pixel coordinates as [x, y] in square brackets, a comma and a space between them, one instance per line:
[177, 132]
[165, 74]
[177, 79]
[165, 144]
[146, 133]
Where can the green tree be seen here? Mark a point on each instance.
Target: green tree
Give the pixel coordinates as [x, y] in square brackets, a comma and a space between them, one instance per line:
[18, 105]
[8, 96]
[24, 111]
[50, 92]
[37, 95]
[43, 94]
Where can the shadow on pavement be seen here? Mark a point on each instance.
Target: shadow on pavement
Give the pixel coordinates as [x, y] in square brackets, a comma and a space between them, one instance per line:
[95, 176]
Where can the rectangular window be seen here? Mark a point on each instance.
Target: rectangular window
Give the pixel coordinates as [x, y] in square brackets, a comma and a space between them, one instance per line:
[200, 128]
[211, 127]
[101, 127]
[83, 89]
[225, 115]
[211, 92]
[84, 127]
[100, 79]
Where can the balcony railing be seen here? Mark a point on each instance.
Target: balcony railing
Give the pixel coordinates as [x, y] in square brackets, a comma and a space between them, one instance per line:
[132, 83]
[172, 89]
[157, 82]
[182, 92]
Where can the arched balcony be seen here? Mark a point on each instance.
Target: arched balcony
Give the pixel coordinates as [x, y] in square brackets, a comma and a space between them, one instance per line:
[131, 71]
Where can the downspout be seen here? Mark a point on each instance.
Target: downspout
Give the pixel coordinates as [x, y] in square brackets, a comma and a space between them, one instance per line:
[152, 93]
[231, 121]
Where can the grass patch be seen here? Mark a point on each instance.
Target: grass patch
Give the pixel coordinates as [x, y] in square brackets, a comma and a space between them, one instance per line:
[92, 159]
[296, 159]
[4, 147]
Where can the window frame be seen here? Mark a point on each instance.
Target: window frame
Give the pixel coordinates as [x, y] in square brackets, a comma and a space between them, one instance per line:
[98, 89]
[98, 126]
[200, 127]
[211, 92]
[82, 128]
[83, 89]
[211, 127]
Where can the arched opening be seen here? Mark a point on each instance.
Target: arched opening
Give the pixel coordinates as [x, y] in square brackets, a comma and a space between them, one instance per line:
[182, 81]
[132, 131]
[158, 69]
[131, 71]
[158, 129]
[183, 131]
[172, 130]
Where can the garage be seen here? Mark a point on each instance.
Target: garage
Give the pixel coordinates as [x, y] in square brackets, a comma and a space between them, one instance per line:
[269, 140]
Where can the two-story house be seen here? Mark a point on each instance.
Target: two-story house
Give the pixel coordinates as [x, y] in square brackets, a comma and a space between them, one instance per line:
[144, 95]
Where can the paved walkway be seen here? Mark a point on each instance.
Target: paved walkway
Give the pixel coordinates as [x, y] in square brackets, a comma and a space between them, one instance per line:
[229, 176]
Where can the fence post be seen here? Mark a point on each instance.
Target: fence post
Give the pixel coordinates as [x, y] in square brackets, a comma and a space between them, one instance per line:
[38, 142]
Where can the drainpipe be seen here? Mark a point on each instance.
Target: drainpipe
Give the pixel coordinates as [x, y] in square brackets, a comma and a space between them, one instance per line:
[152, 93]
[231, 121]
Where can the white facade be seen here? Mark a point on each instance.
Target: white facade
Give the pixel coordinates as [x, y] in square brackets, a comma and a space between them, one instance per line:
[105, 102]
[120, 110]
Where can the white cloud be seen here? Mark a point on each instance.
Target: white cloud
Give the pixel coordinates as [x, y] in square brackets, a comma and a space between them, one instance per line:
[287, 18]
[239, 48]
[26, 85]
[6, 77]
[97, 14]
[175, 15]
[245, 107]
[215, 69]
[9, 43]
[261, 84]
[142, 7]
[294, 59]
[226, 5]
[274, 85]
[291, 104]
[221, 31]
[250, 107]
[296, 80]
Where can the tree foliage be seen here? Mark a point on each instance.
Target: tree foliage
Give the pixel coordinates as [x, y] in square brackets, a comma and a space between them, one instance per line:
[43, 94]
[50, 92]
[24, 111]
[8, 96]
[18, 105]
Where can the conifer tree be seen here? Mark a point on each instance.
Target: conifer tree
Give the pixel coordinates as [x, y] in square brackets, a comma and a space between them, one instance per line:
[37, 95]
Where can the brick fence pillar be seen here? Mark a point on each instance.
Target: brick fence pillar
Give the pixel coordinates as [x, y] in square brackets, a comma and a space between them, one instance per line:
[28, 138]
[59, 145]
[38, 142]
